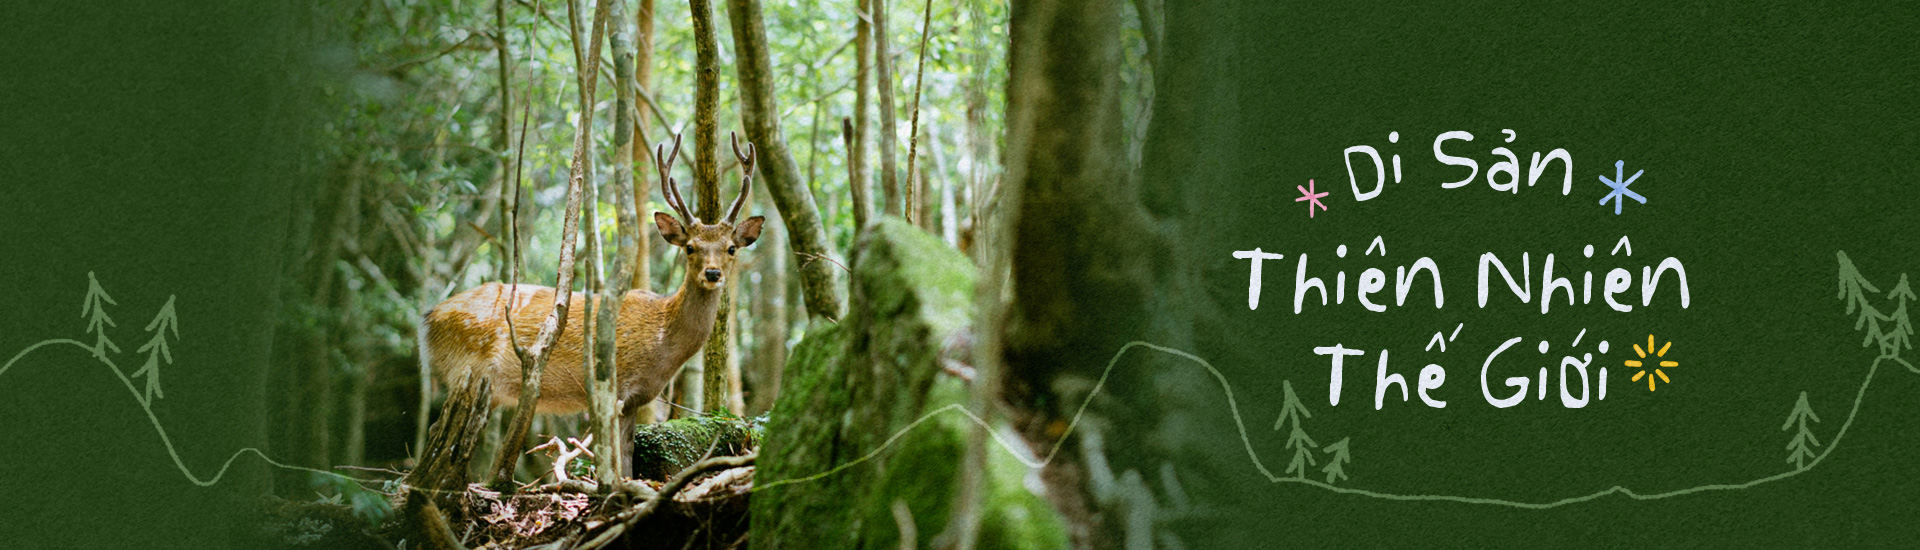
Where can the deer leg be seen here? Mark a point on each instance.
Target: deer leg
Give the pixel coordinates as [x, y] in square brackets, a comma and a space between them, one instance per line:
[630, 410]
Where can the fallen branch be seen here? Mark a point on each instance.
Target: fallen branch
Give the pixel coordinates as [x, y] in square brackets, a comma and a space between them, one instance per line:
[626, 520]
[563, 455]
[367, 469]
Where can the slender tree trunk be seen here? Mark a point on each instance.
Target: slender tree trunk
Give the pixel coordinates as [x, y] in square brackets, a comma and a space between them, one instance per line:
[353, 448]
[979, 164]
[607, 416]
[690, 389]
[590, 360]
[852, 141]
[503, 134]
[989, 324]
[718, 381]
[806, 233]
[423, 411]
[706, 108]
[736, 400]
[319, 382]
[320, 366]
[883, 61]
[769, 322]
[641, 150]
[706, 178]
[916, 199]
[860, 173]
[980, 161]
[516, 246]
[949, 223]
[926, 195]
[535, 357]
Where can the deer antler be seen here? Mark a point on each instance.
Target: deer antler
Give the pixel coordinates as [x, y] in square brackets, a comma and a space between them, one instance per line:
[670, 189]
[746, 175]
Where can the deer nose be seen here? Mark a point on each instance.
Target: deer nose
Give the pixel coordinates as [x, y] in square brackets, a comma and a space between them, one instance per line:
[713, 275]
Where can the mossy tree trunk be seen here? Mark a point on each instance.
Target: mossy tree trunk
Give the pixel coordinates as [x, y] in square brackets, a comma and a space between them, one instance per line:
[1083, 280]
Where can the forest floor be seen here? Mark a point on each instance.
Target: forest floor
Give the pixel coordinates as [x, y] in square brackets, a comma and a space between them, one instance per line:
[702, 465]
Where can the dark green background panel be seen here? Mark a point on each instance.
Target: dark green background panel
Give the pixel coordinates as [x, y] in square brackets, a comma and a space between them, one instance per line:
[1772, 136]
[152, 146]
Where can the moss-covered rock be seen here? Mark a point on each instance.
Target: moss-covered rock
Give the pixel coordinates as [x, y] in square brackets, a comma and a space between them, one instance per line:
[661, 450]
[824, 479]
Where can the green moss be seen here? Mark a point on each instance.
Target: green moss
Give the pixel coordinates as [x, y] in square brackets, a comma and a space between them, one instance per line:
[803, 436]
[921, 470]
[903, 270]
[850, 387]
[661, 450]
[1015, 517]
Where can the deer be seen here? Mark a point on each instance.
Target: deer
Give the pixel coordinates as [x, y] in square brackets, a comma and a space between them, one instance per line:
[476, 332]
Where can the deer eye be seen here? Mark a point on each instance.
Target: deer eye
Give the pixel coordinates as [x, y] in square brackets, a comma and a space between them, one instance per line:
[730, 250]
[689, 249]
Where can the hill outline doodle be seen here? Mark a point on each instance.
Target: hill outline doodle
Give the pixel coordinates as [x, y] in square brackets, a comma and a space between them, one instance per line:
[1853, 289]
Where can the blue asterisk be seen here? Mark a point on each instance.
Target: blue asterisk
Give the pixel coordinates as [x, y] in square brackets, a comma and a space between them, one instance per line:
[1620, 192]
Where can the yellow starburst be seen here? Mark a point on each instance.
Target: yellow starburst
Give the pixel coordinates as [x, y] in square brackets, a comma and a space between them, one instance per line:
[1642, 352]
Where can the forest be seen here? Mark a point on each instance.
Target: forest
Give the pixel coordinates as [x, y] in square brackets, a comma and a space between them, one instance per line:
[955, 274]
[953, 212]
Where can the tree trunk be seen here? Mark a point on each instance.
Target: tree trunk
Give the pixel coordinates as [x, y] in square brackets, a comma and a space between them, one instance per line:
[855, 184]
[1082, 277]
[641, 150]
[979, 158]
[535, 357]
[769, 322]
[503, 135]
[353, 448]
[450, 443]
[706, 179]
[736, 401]
[916, 197]
[690, 389]
[982, 244]
[948, 223]
[605, 414]
[706, 107]
[716, 383]
[860, 174]
[319, 444]
[806, 233]
[891, 203]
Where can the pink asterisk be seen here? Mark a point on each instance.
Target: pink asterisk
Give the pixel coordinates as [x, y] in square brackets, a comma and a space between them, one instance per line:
[1313, 199]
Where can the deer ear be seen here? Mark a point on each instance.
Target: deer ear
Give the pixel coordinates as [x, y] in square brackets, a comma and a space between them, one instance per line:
[670, 229]
[748, 231]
